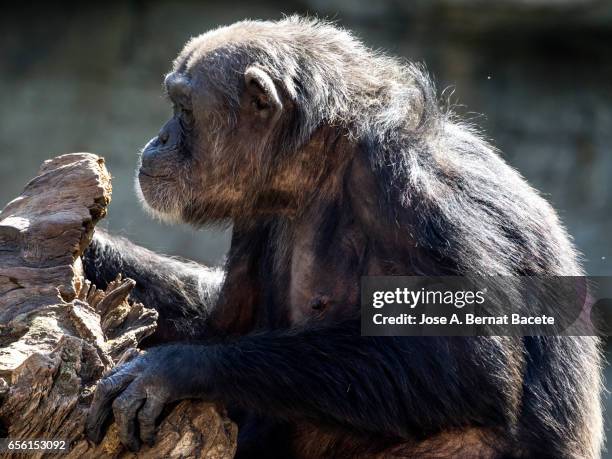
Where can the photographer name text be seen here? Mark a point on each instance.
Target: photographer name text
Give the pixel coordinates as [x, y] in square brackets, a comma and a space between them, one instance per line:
[467, 319]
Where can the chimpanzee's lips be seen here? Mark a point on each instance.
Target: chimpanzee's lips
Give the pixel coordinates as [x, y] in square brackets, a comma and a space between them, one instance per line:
[142, 172]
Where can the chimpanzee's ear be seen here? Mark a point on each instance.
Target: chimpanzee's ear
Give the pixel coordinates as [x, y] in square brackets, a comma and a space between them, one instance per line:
[261, 95]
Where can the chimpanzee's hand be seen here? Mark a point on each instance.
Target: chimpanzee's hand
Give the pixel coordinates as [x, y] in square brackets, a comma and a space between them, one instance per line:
[138, 391]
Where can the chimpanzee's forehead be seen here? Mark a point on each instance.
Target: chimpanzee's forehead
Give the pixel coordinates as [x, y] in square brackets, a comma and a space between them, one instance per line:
[240, 33]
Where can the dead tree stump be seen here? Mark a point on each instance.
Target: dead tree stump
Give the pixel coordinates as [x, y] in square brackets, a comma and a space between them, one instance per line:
[59, 334]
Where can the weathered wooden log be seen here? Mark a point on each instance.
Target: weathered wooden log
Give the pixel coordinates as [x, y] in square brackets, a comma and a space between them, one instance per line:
[59, 333]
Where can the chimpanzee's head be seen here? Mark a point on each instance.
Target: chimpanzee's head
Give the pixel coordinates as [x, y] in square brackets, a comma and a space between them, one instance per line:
[256, 121]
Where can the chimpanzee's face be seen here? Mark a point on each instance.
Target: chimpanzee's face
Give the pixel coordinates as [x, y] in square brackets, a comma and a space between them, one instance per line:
[213, 156]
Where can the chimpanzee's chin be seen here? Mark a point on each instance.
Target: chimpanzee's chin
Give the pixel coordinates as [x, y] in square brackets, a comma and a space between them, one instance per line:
[151, 202]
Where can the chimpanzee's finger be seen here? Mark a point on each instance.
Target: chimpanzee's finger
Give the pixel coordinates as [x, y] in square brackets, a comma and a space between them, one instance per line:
[125, 408]
[147, 415]
[99, 410]
[128, 355]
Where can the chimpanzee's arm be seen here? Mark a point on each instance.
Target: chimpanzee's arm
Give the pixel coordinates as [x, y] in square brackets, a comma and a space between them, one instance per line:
[391, 385]
[394, 386]
[183, 292]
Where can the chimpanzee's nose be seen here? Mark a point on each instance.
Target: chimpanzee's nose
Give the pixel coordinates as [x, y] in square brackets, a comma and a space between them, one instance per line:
[163, 136]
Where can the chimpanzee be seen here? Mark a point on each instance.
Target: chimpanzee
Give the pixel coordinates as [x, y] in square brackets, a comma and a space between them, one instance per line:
[333, 162]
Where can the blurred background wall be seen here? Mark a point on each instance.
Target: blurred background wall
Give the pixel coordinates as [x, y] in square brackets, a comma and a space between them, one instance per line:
[536, 75]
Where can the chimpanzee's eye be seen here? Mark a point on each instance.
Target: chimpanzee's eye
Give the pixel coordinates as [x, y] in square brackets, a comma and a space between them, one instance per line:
[188, 116]
[185, 117]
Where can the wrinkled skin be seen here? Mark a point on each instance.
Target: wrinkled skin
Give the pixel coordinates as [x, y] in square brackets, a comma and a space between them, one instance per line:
[334, 163]
[151, 382]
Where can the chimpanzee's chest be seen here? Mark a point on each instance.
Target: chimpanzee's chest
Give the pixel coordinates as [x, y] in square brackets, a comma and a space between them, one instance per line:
[326, 265]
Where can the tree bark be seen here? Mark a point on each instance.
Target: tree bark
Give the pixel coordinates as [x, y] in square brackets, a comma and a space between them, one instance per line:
[59, 333]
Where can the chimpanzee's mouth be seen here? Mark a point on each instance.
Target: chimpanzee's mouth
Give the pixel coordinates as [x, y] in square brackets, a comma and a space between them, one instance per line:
[142, 172]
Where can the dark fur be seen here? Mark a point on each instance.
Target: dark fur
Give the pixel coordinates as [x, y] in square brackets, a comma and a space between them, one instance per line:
[356, 171]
